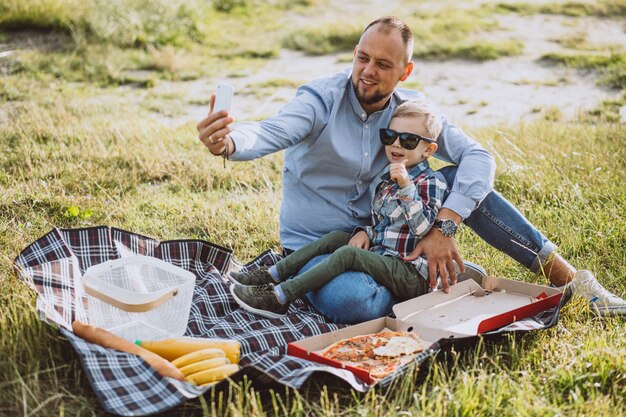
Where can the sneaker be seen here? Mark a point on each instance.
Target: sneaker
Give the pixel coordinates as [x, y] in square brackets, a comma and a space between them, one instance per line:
[472, 271]
[259, 299]
[257, 277]
[602, 301]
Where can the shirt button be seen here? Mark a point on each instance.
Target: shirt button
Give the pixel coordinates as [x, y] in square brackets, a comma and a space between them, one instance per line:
[349, 203]
[366, 153]
[364, 115]
[360, 182]
[367, 126]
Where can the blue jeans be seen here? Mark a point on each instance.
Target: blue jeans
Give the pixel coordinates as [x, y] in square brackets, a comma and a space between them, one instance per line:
[353, 297]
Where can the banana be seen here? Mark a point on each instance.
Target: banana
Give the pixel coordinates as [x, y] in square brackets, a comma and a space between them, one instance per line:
[176, 347]
[196, 367]
[197, 356]
[212, 375]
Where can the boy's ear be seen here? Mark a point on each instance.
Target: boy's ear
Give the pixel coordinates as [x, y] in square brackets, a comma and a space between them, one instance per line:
[430, 149]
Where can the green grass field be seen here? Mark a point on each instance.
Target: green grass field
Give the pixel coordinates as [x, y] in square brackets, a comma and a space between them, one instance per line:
[76, 152]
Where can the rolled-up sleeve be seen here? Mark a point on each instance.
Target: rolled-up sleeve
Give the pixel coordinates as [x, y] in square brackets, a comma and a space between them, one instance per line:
[476, 172]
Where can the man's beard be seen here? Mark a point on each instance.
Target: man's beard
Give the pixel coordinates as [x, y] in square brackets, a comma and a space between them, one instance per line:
[368, 100]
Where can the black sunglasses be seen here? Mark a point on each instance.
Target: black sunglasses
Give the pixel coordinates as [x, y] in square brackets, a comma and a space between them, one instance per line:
[407, 140]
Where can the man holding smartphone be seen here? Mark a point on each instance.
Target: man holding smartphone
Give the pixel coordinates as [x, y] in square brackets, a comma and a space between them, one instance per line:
[329, 131]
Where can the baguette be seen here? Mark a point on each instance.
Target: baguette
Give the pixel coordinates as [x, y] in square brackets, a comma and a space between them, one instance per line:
[109, 340]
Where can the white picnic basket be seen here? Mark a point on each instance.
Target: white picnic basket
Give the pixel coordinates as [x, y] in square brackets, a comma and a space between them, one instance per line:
[139, 297]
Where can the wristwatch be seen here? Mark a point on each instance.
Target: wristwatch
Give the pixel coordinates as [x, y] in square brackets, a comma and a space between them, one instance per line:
[447, 227]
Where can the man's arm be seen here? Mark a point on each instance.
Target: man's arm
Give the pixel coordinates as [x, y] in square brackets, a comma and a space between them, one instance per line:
[475, 175]
[474, 180]
[250, 140]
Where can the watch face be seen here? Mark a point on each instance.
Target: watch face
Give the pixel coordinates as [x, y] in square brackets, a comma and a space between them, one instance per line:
[447, 227]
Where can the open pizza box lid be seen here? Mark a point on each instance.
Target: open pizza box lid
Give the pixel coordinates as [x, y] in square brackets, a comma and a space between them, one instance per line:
[468, 309]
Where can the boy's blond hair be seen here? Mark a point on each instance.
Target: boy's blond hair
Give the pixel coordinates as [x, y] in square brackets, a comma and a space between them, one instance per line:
[421, 108]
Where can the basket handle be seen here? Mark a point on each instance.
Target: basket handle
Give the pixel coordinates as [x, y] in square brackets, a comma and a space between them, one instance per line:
[132, 307]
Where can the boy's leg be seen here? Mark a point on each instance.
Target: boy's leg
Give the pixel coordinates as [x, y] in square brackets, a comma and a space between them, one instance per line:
[292, 263]
[352, 297]
[328, 243]
[399, 277]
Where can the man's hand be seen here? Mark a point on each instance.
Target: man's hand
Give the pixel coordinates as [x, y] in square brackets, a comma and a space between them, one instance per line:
[213, 131]
[398, 173]
[439, 251]
[360, 240]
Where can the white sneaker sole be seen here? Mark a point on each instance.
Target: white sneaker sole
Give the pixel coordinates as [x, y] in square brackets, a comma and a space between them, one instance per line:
[472, 271]
[264, 313]
[608, 311]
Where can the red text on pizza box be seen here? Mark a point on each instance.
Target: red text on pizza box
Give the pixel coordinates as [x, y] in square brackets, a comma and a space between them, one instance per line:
[468, 309]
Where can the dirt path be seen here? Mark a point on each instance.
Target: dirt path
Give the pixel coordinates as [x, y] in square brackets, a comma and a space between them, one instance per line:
[506, 90]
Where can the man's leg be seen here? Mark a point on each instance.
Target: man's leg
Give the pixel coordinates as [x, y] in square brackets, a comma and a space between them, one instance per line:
[501, 225]
[351, 297]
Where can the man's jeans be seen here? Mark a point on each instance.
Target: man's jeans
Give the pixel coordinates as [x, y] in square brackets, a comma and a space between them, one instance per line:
[353, 297]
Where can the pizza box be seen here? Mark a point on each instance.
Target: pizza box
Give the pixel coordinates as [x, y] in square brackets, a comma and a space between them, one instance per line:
[311, 348]
[468, 309]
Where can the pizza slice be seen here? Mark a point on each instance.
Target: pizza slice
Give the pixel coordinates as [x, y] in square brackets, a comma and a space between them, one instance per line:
[380, 354]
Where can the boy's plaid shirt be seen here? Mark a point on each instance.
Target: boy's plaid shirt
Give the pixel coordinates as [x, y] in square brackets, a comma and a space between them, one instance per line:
[401, 217]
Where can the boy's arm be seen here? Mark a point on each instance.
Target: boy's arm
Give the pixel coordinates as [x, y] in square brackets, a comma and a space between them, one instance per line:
[360, 239]
[420, 202]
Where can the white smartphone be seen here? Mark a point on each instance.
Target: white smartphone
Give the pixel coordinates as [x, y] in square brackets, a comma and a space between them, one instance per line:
[223, 97]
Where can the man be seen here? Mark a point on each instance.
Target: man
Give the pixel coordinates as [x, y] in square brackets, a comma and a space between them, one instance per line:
[329, 131]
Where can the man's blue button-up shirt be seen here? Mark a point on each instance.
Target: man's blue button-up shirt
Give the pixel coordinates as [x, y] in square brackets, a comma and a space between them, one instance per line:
[333, 155]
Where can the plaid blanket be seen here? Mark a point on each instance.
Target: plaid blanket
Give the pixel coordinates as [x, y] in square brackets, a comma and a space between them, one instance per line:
[124, 384]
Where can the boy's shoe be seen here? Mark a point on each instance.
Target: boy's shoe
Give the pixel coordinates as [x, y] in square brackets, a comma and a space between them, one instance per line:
[257, 277]
[259, 299]
[601, 301]
[472, 271]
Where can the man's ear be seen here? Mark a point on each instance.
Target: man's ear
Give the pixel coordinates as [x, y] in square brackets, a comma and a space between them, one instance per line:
[408, 69]
[356, 48]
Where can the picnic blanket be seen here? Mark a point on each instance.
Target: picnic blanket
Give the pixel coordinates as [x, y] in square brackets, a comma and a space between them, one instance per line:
[126, 385]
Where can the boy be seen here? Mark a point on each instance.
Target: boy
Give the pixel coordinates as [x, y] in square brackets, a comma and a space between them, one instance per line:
[403, 211]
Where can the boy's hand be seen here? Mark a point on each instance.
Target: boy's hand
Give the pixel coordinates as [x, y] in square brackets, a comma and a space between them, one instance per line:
[360, 240]
[399, 174]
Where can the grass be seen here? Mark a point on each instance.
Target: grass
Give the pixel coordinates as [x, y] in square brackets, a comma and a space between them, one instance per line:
[611, 69]
[600, 8]
[76, 154]
[442, 34]
[100, 41]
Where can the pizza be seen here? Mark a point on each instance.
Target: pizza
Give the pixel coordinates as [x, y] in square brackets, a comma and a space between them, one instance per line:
[379, 354]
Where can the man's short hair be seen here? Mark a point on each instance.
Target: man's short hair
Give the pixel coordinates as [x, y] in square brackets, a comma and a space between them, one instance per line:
[397, 24]
[425, 109]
